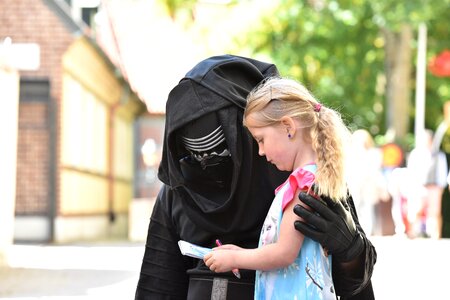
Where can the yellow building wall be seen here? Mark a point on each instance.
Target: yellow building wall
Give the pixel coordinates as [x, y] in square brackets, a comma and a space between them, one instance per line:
[83, 193]
[88, 67]
[122, 162]
[84, 129]
[123, 193]
[94, 102]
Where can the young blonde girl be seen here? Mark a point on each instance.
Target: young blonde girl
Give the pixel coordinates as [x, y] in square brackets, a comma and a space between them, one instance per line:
[296, 133]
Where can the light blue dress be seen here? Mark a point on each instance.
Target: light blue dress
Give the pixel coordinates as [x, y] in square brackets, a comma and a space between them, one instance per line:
[309, 276]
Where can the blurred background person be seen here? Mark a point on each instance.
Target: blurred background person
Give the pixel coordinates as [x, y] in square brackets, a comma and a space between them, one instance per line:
[366, 181]
[421, 188]
[437, 176]
[417, 188]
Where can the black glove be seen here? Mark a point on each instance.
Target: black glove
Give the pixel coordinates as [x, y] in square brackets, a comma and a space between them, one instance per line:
[330, 224]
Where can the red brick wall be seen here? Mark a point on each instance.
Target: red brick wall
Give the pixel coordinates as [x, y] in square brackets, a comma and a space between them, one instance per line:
[33, 21]
[33, 160]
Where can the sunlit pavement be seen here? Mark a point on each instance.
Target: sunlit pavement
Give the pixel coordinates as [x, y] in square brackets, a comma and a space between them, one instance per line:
[95, 271]
[406, 269]
[412, 269]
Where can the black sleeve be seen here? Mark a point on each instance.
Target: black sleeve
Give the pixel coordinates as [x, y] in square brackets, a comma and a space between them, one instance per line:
[356, 288]
[163, 271]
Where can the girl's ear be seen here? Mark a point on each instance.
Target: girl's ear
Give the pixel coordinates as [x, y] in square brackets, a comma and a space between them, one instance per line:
[289, 124]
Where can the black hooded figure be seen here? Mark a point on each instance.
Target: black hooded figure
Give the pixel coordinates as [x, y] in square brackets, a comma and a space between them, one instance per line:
[216, 186]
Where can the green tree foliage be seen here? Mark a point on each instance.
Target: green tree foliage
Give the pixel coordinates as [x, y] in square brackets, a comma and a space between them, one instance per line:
[436, 15]
[438, 88]
[177, 7]
[336, 49]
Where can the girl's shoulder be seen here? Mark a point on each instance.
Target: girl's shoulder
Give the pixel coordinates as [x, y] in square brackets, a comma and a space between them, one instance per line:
[311, 167]
[301, 179]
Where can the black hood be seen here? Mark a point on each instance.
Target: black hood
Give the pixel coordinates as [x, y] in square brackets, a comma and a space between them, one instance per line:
[220, 84]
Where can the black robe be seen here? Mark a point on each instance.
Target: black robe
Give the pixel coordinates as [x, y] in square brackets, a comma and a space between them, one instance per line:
[199, 213]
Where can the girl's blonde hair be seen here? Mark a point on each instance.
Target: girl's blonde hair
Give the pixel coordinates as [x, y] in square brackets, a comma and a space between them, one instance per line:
[276, 97]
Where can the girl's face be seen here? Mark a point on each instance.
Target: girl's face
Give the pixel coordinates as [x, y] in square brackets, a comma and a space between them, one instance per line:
[274, 143]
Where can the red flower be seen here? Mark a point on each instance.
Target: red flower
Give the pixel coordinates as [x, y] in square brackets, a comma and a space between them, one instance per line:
[440, 65]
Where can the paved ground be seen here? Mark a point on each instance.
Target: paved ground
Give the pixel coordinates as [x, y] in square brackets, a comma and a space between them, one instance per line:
[406, 269]
[95, 271]
[412, 269]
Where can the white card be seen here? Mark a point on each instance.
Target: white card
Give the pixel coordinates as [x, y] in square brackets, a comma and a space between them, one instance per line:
[193, 250]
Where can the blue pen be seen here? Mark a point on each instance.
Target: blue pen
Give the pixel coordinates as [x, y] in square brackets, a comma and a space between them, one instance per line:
[235, 271]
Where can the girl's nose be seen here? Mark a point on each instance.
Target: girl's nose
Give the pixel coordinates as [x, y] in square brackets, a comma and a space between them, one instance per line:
[261, 151]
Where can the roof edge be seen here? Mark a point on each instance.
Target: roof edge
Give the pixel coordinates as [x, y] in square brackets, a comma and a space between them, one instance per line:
[62, 10]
